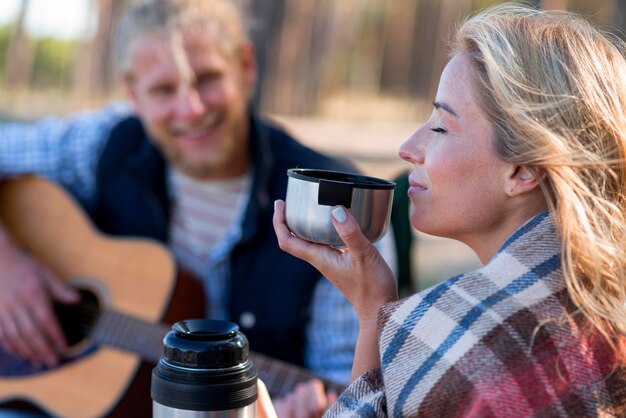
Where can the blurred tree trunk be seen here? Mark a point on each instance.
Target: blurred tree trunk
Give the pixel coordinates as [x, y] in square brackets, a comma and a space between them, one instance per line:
[400, 22]
[94, 71]
[552, 4]
[351, 18]
[300, 52]
[320, 51]
[20, 54]
[436, 21]
[424, 48]
[337, 60]
[451, 13]
[268, 16]
[289, 66]
[619, 18]
[368, 54]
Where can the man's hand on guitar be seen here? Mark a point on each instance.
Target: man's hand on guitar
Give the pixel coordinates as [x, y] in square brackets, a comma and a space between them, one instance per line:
[307, 400]
[28, 325]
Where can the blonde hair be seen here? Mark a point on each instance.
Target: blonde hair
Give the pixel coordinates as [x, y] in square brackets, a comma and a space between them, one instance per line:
[222, 18]
[555, 89]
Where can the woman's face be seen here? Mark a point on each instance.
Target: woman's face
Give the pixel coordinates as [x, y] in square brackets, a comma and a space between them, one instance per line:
[457, 186]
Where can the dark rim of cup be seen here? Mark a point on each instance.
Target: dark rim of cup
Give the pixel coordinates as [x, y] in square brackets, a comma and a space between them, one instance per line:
[356, 180]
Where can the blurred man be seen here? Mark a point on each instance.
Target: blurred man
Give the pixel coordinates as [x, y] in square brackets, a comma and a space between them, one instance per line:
[190, 164]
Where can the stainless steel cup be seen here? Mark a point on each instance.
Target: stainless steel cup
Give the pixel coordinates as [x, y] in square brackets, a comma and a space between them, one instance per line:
[311, 194]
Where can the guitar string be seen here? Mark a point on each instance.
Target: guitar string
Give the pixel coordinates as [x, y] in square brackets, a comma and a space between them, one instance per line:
[129, 333]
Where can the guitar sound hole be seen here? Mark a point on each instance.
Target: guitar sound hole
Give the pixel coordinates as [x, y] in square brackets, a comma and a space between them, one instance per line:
[78, 320]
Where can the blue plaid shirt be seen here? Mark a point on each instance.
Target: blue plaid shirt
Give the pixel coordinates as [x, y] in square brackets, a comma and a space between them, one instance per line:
[66, 150]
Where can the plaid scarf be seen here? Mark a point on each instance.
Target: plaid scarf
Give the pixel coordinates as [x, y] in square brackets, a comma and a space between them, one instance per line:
[502, 341]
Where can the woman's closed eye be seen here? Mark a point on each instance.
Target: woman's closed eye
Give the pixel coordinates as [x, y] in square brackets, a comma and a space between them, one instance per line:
[439, 130]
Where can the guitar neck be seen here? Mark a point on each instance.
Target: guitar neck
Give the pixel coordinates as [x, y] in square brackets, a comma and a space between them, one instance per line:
[281, 377]
[146, 339]
[130, 334]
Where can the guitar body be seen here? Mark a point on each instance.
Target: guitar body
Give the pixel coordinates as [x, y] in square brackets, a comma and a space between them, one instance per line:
[132, 276]
[107, 370]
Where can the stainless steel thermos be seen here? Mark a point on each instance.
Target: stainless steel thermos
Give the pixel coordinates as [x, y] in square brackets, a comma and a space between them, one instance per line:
[204, 372]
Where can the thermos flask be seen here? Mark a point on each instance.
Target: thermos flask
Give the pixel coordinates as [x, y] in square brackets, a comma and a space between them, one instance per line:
[204, 372]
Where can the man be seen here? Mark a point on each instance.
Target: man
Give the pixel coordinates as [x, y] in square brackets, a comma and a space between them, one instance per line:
[195, 168]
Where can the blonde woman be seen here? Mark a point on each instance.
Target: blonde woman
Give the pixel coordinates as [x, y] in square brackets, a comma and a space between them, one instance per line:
[523, 160]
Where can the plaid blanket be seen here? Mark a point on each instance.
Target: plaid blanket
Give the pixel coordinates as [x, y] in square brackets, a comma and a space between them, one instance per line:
[502, 341]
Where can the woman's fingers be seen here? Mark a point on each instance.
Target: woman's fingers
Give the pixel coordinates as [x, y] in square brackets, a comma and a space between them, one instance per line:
[264, 407]
[359, 272]
[346, 226]
[288, 242]
[349, 230]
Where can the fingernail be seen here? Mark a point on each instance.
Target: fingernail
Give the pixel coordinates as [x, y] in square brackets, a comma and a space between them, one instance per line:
[275, 204]
[339, 214]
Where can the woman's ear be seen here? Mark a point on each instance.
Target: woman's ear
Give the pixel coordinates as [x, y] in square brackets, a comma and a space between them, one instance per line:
[524, 179]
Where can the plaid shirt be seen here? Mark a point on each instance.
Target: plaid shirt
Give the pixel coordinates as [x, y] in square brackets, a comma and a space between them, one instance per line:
[502, 341]
[66, 150]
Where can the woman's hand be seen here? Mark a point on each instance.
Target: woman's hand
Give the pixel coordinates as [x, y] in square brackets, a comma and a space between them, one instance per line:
[358, 271]
[264, 407]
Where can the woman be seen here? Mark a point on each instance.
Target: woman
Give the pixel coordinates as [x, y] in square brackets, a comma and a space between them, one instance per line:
[523, 160]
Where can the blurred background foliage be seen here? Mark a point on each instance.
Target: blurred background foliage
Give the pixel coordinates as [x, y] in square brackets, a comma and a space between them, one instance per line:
[344, 59]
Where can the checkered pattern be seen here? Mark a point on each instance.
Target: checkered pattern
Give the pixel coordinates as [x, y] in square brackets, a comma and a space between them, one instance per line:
[63, 149]
[331, 334]
[502, 341]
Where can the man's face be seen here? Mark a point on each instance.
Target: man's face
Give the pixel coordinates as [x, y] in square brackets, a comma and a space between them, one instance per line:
[192, 97]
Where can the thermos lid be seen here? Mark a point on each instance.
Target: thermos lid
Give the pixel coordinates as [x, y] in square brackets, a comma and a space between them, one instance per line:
[204, 367]
[205, 344]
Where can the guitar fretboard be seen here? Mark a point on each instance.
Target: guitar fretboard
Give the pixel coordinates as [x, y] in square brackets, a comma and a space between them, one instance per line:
[281, 377]
[146, 339]
[130, 334]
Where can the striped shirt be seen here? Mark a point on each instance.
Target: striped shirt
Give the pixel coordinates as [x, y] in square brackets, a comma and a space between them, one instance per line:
[206, 215]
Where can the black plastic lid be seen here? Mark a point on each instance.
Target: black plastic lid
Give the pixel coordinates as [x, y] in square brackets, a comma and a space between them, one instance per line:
[356, 180]
[204, 367]
[205, 344]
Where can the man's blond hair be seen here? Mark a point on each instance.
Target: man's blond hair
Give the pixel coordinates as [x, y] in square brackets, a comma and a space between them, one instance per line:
[222, 18]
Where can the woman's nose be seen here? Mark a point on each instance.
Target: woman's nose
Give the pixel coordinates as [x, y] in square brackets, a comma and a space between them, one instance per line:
[412, 150]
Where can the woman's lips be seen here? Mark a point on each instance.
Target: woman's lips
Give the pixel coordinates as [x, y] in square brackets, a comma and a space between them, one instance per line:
[415, 187]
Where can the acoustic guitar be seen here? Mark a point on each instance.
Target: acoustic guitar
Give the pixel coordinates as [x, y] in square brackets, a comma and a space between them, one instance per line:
[130, 290]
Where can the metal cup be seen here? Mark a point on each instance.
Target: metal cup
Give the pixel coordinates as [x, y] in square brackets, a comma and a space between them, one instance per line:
[311, 194]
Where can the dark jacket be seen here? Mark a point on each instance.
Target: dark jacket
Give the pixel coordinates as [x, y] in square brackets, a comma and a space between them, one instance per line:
[273, 286]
